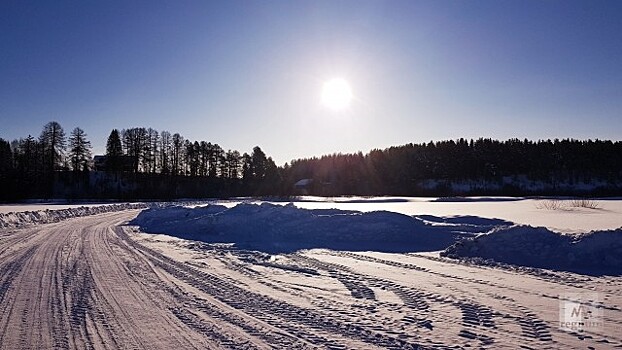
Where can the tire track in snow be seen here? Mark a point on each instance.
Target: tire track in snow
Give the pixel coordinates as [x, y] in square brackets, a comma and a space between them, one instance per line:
[85, 284]
[70, 290]
[535, 332]
[308, 324]
[477, 320]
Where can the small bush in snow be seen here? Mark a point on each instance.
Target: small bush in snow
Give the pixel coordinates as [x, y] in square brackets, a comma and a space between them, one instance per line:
[551, 204]
[558, 204]
[585, 203]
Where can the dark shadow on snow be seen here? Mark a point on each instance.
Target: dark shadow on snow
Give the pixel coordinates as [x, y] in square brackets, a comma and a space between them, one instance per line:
[596, 253]
[275, 228]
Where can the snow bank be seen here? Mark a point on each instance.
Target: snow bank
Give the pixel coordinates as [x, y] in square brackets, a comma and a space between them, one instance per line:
[276, 228]
[285, 228]
[338, 199]
[477, 199]
[25, 218]
[594, 252]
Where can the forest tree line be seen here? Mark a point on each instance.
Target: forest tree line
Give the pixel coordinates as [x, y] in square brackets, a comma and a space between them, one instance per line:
[403, 170]
[33, 167]
[144, 163]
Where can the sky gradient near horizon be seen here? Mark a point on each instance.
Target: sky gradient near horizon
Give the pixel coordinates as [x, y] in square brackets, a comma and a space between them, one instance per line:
[246, 73]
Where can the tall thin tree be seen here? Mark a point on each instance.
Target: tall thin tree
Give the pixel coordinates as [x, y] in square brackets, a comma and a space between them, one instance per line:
[114, 151]
[53, 140]
[79, 150]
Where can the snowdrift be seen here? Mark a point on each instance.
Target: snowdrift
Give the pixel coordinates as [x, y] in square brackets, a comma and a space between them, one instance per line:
[277, 228]
[25, 218]
[286, 228]
[597, 252]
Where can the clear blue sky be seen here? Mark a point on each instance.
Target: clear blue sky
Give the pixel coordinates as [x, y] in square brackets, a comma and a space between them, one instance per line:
[246, 73]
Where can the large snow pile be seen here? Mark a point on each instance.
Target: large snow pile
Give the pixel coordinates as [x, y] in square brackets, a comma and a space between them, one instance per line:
[594, 252]
[25, 218]
[276, 228]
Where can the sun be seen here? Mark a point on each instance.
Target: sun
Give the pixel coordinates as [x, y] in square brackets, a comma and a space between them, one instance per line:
[336, 94]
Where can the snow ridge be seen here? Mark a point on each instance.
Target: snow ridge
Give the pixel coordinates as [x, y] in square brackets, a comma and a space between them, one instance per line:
[27, 218]
[596, 252]
[276, 228]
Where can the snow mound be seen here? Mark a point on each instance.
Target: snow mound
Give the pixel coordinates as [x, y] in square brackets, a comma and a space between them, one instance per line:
[476, 199]
[276, 228]
[26, 218]
[596, 252]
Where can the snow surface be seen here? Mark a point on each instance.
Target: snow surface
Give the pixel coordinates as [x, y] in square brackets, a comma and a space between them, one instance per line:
[525, 211]
[15, 208]
[275, 228]
[14, 219]
[156, 291]
[512, 230]
[595, 252]
[607, 216]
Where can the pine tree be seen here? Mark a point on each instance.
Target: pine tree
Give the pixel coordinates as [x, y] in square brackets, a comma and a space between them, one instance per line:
[79, 150]
[136, 144]
[6, 158]
[233, 164]
[114, 151]
[52, 139]
[177, 151]
[28, 156]
[6, 168]
[258, 164]
[165, 152]
[215, 160]
[247, 174]
[151, 156]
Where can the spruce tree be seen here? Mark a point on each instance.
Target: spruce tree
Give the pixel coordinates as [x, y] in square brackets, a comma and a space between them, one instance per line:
[114, 151]
[79, 150]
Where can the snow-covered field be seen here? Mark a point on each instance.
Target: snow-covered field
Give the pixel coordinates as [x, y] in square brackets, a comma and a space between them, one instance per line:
[608, 215]
[362, 273]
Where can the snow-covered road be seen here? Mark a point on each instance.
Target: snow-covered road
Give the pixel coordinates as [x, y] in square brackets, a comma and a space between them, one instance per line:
[78, 285]
[94, 283]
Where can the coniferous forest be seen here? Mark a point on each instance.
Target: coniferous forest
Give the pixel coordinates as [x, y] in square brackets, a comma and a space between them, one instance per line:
[142, 163]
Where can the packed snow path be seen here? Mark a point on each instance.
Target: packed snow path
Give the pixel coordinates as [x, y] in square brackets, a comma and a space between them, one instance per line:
[93, 283]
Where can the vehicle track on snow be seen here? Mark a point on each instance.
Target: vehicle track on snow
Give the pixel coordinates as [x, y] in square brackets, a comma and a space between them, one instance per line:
[90, 283]
[312, 325]
[479, 320]
[68, 286]
[84, 284]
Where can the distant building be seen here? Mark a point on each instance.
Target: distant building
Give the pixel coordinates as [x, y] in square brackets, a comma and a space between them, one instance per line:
[100, 163]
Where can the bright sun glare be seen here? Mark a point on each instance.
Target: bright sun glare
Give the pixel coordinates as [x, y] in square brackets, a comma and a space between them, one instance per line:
[336, 94]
